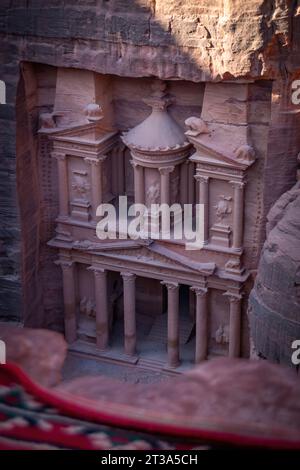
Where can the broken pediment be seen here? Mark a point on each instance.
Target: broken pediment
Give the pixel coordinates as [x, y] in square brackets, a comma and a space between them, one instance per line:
[225, 145]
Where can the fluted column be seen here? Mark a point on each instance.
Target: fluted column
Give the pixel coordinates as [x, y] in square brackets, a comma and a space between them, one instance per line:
[129, 313]
[139, 183]
[102, 314]
[204, 199]
[69, 300]
[201, 323]
[165, 184]
[235, 302]
[173, 323]
[96, 181]
[238, 214]
[63, 186]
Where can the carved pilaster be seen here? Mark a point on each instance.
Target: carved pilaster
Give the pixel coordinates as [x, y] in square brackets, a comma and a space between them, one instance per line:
[238, 214]
[63, 190]
[165, 184]
[203, 182]
[139, 183]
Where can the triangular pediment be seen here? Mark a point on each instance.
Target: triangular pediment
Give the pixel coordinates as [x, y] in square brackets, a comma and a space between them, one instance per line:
[83, 133]
[146, 253]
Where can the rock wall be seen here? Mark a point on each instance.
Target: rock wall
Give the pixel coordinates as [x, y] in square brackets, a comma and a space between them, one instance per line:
[174, 40]
[275, 300]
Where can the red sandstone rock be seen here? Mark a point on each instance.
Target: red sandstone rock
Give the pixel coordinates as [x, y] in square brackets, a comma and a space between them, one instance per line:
[232, 394]
[40, 353]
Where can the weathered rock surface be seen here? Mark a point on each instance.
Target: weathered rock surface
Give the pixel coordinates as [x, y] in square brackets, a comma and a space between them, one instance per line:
[174, 40]
[275, 299]
[40, 353]
[236, 394]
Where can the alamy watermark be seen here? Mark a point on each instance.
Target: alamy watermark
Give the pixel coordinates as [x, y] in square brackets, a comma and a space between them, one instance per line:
[157, 222]
[2, 352]
[295, 358]
[2, 92]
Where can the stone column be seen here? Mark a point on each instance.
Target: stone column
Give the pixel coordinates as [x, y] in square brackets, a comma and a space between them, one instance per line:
[165, 184]
[139, 183]
[63, 189]
[121, 170]
[184, 183]
[69, 300]
[102, 315]
[129, 313]
[201, 323]
[96, 181]
[191, 188]
[238, 214]
[173, 323]
[235, 302]
[204, 199]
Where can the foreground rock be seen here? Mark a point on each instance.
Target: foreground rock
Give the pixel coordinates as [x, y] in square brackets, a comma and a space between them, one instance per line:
[40, 353]
[232, 394]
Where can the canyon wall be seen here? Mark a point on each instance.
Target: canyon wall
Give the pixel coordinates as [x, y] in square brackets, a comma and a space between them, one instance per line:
[174, 40]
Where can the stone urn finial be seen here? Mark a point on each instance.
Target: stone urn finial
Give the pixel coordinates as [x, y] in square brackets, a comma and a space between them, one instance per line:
[159, 98]
[93, 112]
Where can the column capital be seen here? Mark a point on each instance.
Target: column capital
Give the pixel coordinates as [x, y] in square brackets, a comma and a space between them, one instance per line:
[98, 271]
[233, 297]
[202, 178]
[199, 291]
[135, 164]
[238, 184]
[59, 156]
[64, 264]
[165, 170]
[95, 161]
[128, 277]
[170, 285]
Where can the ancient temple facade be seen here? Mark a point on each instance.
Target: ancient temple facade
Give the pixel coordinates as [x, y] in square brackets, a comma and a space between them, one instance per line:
[153, 302]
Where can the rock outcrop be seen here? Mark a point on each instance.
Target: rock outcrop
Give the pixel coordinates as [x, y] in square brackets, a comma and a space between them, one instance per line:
[274, 310]
[233, 394]
[40, 353]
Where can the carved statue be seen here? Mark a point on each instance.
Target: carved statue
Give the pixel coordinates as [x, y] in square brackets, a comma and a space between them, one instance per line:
[245, 153]
[153, 193]
[196, 126]
[223, 208]
[232, 264]
[93, 112]
[47, 121]
[222, 334]
[79, 186]
[87, 307]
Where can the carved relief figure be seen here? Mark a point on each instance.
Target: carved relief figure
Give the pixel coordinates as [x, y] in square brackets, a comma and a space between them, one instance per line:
[223, 208]
[80, 186]
[88, 307]
[153, 193]
[222, 334]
